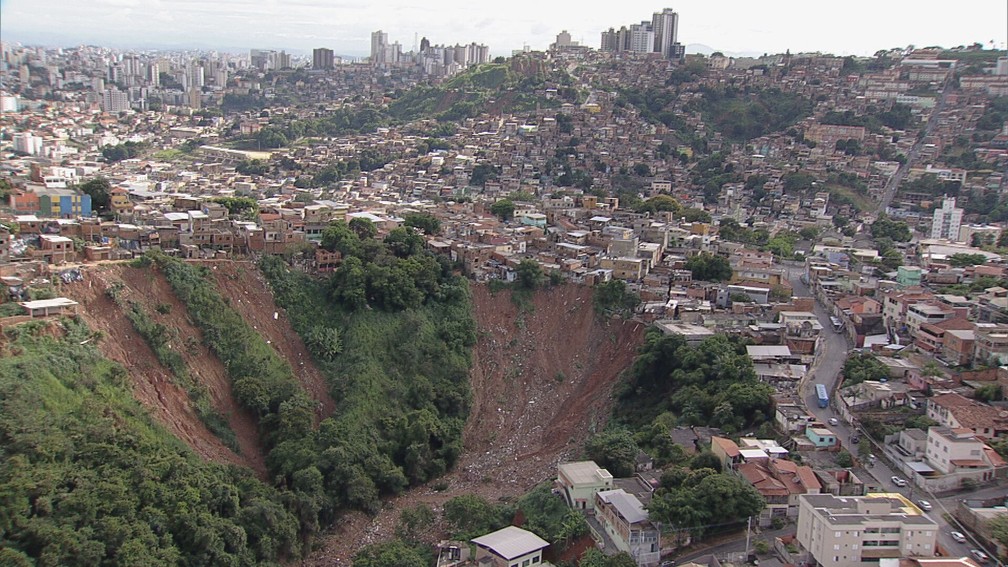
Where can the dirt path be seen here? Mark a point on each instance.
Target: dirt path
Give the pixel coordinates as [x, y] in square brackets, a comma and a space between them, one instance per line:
[541, 382]
[245, 287]
[152, 383]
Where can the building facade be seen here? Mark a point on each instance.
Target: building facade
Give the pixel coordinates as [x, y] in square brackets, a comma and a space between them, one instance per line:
[861, 530]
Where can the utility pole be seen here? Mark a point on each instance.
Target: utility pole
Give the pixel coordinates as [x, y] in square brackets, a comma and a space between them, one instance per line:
[747, 525]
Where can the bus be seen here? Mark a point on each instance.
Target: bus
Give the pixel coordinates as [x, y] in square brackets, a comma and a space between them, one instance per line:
[820, 391]
[837, 324]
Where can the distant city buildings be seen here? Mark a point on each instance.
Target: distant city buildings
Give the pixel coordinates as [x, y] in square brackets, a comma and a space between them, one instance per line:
[434, 60]
[659, 35]
[269, 60]
[322, 59]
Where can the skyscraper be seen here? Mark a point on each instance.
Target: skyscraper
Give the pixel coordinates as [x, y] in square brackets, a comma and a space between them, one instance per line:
[322, 58]
[379, 42]
[666, 31]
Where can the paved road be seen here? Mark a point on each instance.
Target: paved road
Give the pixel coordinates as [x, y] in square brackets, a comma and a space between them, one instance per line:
[832, 352]
[890, 189]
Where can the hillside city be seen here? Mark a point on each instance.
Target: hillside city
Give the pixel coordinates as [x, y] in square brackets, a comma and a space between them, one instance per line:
[800, 259]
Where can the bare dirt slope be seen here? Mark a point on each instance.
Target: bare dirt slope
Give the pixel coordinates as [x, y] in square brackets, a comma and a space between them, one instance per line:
[152, 383]
[246, 289]
[541, 379]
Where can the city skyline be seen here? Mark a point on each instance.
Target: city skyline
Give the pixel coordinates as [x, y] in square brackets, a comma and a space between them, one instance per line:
[860, 28]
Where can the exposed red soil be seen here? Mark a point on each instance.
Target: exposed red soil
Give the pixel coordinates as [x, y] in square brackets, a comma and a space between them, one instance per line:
[152, 382]
[542, 382]
[246, 289]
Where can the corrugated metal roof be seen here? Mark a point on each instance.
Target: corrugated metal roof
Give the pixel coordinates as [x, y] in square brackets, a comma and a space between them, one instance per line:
[511, 542]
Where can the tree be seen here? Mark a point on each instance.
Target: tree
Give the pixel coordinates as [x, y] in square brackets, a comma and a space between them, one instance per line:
[470, 516]
[363, 228]
[428, 223]
[615, 450]
[324, 342]
[100, 191]
[999, 528]
[482, 173]
[861, 367]
[696, 215]
[503, 209]
[962, 260]
[897, 231]
[414, 522]
[708, 267]
[989, 393]
[614, 297]
[393, 552]
[529, 274]
[844, 459]
[339, 237]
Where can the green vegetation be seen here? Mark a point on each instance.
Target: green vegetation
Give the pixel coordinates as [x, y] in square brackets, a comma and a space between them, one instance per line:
[470, 516]
[703, 501]
[426, 222]
[961, 260]
[898, 117]
[243, 207]
[338, 122]
[514, 87]
[100, 191]
[709, 268]
[160, 337]
[401, 378]
[123, 151]
[861, 367]
[897, 231]
[742, 116]
[710, 384]
[503, 209]
[89, 479]
[613, 298]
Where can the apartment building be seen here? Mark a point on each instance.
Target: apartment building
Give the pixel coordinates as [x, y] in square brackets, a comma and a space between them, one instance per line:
[580, 481]
[625, 520]
[861, 530]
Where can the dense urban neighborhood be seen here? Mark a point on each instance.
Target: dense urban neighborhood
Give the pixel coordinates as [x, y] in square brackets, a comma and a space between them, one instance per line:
[601, 307]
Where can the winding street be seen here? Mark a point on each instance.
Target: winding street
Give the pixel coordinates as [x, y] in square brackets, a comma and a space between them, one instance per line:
[830, 356]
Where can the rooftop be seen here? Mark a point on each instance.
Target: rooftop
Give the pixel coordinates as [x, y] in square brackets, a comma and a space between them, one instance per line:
[511, 542]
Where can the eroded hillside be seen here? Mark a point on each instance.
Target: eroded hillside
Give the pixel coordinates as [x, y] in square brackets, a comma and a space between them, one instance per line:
[542, 379]
[153, 384]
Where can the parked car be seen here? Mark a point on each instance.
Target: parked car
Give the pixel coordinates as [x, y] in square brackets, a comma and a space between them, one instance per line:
[898, 481]
[980, 556]
[924, 505]
[958, 537]
[855, 439]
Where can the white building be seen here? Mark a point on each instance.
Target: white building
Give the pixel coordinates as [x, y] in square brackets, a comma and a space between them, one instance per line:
[115, 100]
[27, 143]
[861, 530]
[947, 220]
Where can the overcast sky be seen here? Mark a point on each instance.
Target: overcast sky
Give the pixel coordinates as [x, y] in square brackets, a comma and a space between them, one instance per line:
[858, 27]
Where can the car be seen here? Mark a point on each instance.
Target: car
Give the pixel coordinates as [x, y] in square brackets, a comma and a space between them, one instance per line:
[980, 556]
[958, 537]
[855, 439]
[924, 505]
[898, 481]
[833, 421]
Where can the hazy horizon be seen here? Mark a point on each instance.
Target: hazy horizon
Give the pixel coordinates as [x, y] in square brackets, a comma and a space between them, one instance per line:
[859, 28]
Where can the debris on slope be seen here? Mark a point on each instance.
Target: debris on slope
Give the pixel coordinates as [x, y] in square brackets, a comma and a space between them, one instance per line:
[542, 382]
